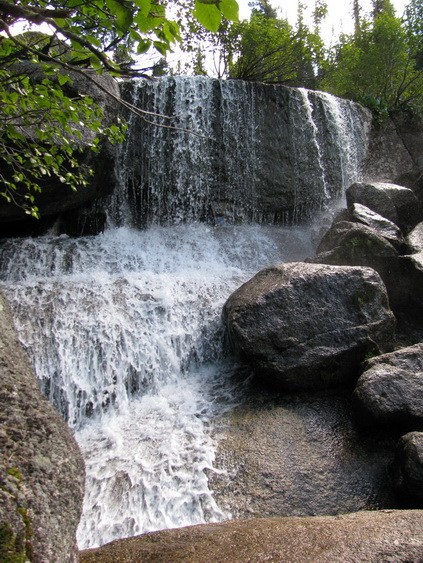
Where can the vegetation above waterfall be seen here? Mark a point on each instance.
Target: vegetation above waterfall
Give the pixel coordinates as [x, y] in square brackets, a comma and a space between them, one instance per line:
[43, 120]
[379, 65]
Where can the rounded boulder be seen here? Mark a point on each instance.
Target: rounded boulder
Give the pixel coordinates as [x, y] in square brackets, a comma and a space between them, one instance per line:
[309, 326]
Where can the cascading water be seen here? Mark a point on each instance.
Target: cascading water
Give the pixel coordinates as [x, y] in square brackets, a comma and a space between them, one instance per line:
[236, 152]
[124, 327]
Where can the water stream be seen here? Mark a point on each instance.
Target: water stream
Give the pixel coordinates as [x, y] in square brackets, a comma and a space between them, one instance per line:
[124, 328]
[124, 331]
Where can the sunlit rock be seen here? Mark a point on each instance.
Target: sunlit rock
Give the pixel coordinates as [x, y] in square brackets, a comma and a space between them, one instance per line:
[305, 326]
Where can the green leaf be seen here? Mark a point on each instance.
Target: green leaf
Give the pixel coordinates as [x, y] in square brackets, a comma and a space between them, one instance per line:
[175, 30]
[148, 23]
[144, 7]
[167, 34]
[208, 15]
[229, 9]
[63, 79]
[123, 15]
[143, 46]
[161, 47]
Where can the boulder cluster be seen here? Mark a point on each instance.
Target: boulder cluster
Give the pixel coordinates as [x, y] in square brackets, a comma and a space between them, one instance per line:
[338, 320]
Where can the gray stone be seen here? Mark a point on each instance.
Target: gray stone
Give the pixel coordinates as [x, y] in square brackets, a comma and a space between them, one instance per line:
[409, 126]
[41, 468]
[308, 326]
[414, 180]
[387, 156]
[287, 454]
[396, 203]
[390, 536]
[406, 203]
[381, 226]
[390, 391]
[356, 244]
[408, 467]
[415, 239]
[347, 243]
[372, 197]
[411, 268]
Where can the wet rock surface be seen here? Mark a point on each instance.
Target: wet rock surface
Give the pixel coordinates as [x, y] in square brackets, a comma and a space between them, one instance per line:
[390, 536]
[300, 454]
[308, 326]
[390, 391]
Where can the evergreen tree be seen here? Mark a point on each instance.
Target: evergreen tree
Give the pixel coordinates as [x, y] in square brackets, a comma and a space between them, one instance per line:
[382, 7]
[377, 67]
[357, 20]
[264, 8]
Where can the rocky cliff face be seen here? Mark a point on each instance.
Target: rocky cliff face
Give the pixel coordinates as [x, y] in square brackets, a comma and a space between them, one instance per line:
[227, 151]
[214, 151]
[236, 151]
[395, 152]
[41, 468]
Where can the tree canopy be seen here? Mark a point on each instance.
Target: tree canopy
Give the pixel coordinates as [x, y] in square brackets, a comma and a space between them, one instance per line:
[380, 64]
[377, 65]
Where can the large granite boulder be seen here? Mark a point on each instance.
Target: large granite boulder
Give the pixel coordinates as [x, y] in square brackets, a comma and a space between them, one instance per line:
[308, 326]
[415, 239]
[396, 203]
[356, 244]
[408, 468]
[390, 390]
[41, 468]
[389, 536]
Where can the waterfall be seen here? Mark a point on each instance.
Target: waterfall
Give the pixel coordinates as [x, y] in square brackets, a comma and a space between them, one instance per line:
[235, 152]
[123, 328]
[124, 331]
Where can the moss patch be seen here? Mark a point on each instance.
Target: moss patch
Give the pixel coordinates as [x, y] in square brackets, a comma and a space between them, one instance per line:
[12, 546]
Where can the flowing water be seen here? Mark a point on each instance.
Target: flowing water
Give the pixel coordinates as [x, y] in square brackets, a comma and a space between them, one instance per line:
[124, 327]
[124, 331]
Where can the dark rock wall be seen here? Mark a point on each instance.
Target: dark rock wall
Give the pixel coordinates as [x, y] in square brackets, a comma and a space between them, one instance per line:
[56, 199]
[396, 152]
[236, 152]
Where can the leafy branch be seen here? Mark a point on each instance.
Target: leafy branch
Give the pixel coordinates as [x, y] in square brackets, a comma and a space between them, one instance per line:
[42, 123]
